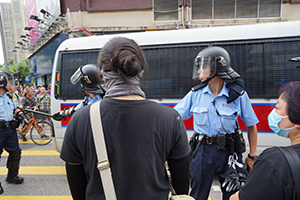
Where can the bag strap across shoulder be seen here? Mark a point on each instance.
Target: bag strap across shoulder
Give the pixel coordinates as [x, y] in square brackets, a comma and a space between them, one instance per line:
[103, 163]
[294, 162]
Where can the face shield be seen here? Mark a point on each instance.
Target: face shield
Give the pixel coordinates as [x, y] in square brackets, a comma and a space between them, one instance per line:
[204, 68]
[78, 75]
[10, 83]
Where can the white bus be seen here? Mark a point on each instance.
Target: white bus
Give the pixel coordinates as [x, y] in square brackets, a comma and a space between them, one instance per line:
[259, 53]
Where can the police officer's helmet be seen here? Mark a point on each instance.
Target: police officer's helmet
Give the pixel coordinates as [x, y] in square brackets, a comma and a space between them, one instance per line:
[4, 79]
[213, 61]
[89, 76]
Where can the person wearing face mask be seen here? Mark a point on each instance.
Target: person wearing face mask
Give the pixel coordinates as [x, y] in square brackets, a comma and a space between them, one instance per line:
[271, 177]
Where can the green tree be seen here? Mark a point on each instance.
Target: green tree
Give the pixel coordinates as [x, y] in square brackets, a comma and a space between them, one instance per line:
[22, 67]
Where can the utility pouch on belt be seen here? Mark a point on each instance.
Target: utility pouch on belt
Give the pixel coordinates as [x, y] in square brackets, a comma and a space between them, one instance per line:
[194, 141]
[239, 142]
[14, 124]
[221, 141]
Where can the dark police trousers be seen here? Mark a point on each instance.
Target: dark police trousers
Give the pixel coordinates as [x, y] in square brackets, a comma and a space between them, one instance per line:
[208, 161]
[9, 142]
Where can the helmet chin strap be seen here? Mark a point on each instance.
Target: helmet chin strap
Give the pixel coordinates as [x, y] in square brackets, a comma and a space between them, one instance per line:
[207, 80]
[83, 92]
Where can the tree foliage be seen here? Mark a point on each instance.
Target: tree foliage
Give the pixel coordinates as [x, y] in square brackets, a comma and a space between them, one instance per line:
[22, 67]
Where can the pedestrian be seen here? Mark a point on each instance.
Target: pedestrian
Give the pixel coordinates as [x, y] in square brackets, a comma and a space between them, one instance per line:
[8, 134]
[140, 135]
[15, 96]
[49, 89]
[28, 102]
[88, 75]
[271, 177]
[215, 113]
[43, 99]
[36, 90]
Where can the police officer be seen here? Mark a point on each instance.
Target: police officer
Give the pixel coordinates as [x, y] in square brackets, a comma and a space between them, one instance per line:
[90, 80]
[8, 134]
[215, 105]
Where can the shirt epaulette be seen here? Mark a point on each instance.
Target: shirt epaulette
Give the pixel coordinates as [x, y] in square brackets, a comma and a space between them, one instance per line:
[236, 89]
[198, 87]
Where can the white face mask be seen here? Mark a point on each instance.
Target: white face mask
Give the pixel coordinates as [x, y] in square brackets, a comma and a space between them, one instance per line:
[274, 118]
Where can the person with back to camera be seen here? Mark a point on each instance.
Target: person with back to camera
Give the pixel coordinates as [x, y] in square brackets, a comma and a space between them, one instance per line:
[140, 135]
[90, 87]
[271, 177]
[215, 105]
[8, 134]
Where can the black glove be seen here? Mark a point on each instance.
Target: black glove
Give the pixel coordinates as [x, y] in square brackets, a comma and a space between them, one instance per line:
[236, 175]
[232, 179]
[243, 174]
[20, 117]
[59, 116]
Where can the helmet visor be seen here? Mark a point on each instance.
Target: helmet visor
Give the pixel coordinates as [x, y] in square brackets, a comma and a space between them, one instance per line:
[76, 76]
[204, 68]
[12, 83]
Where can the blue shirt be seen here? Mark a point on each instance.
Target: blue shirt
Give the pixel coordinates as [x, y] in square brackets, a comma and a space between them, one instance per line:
[91, 101]
[7, 106]
[204, 107]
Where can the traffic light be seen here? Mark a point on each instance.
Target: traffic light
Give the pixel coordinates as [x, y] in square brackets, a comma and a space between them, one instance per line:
[17, 77]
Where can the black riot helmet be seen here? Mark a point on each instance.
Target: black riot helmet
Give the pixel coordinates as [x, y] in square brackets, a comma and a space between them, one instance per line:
[89, 76]
[211, 62]
[4, 79]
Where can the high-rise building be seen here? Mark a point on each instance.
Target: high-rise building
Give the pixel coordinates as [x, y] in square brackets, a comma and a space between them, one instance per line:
[14, 20]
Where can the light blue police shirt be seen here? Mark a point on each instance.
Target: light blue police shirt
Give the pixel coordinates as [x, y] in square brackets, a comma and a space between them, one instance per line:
[91, 101]
[206, 120]
[7, 107]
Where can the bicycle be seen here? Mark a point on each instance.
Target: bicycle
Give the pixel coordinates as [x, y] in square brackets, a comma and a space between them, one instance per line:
[40, 131]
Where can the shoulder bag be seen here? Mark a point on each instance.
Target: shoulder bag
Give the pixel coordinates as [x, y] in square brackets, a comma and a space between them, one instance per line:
[103, 163]
[294, 162]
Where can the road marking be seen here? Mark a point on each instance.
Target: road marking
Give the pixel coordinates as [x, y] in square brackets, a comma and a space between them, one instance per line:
[34, 170]
[216, 188]
[29, 141]
[24, 142]
[36, 153]
[35, 197]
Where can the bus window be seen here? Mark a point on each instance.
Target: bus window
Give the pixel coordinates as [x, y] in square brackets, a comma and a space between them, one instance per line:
[70, 61]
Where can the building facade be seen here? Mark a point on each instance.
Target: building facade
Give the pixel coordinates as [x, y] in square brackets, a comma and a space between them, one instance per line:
[14, 21]
[108, 17]
[139, 15]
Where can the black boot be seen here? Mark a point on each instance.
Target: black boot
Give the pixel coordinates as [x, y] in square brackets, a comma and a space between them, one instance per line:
[12, 165]
[1, 189]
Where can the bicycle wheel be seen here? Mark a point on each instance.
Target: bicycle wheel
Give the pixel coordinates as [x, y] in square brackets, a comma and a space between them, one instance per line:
[41, 134]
